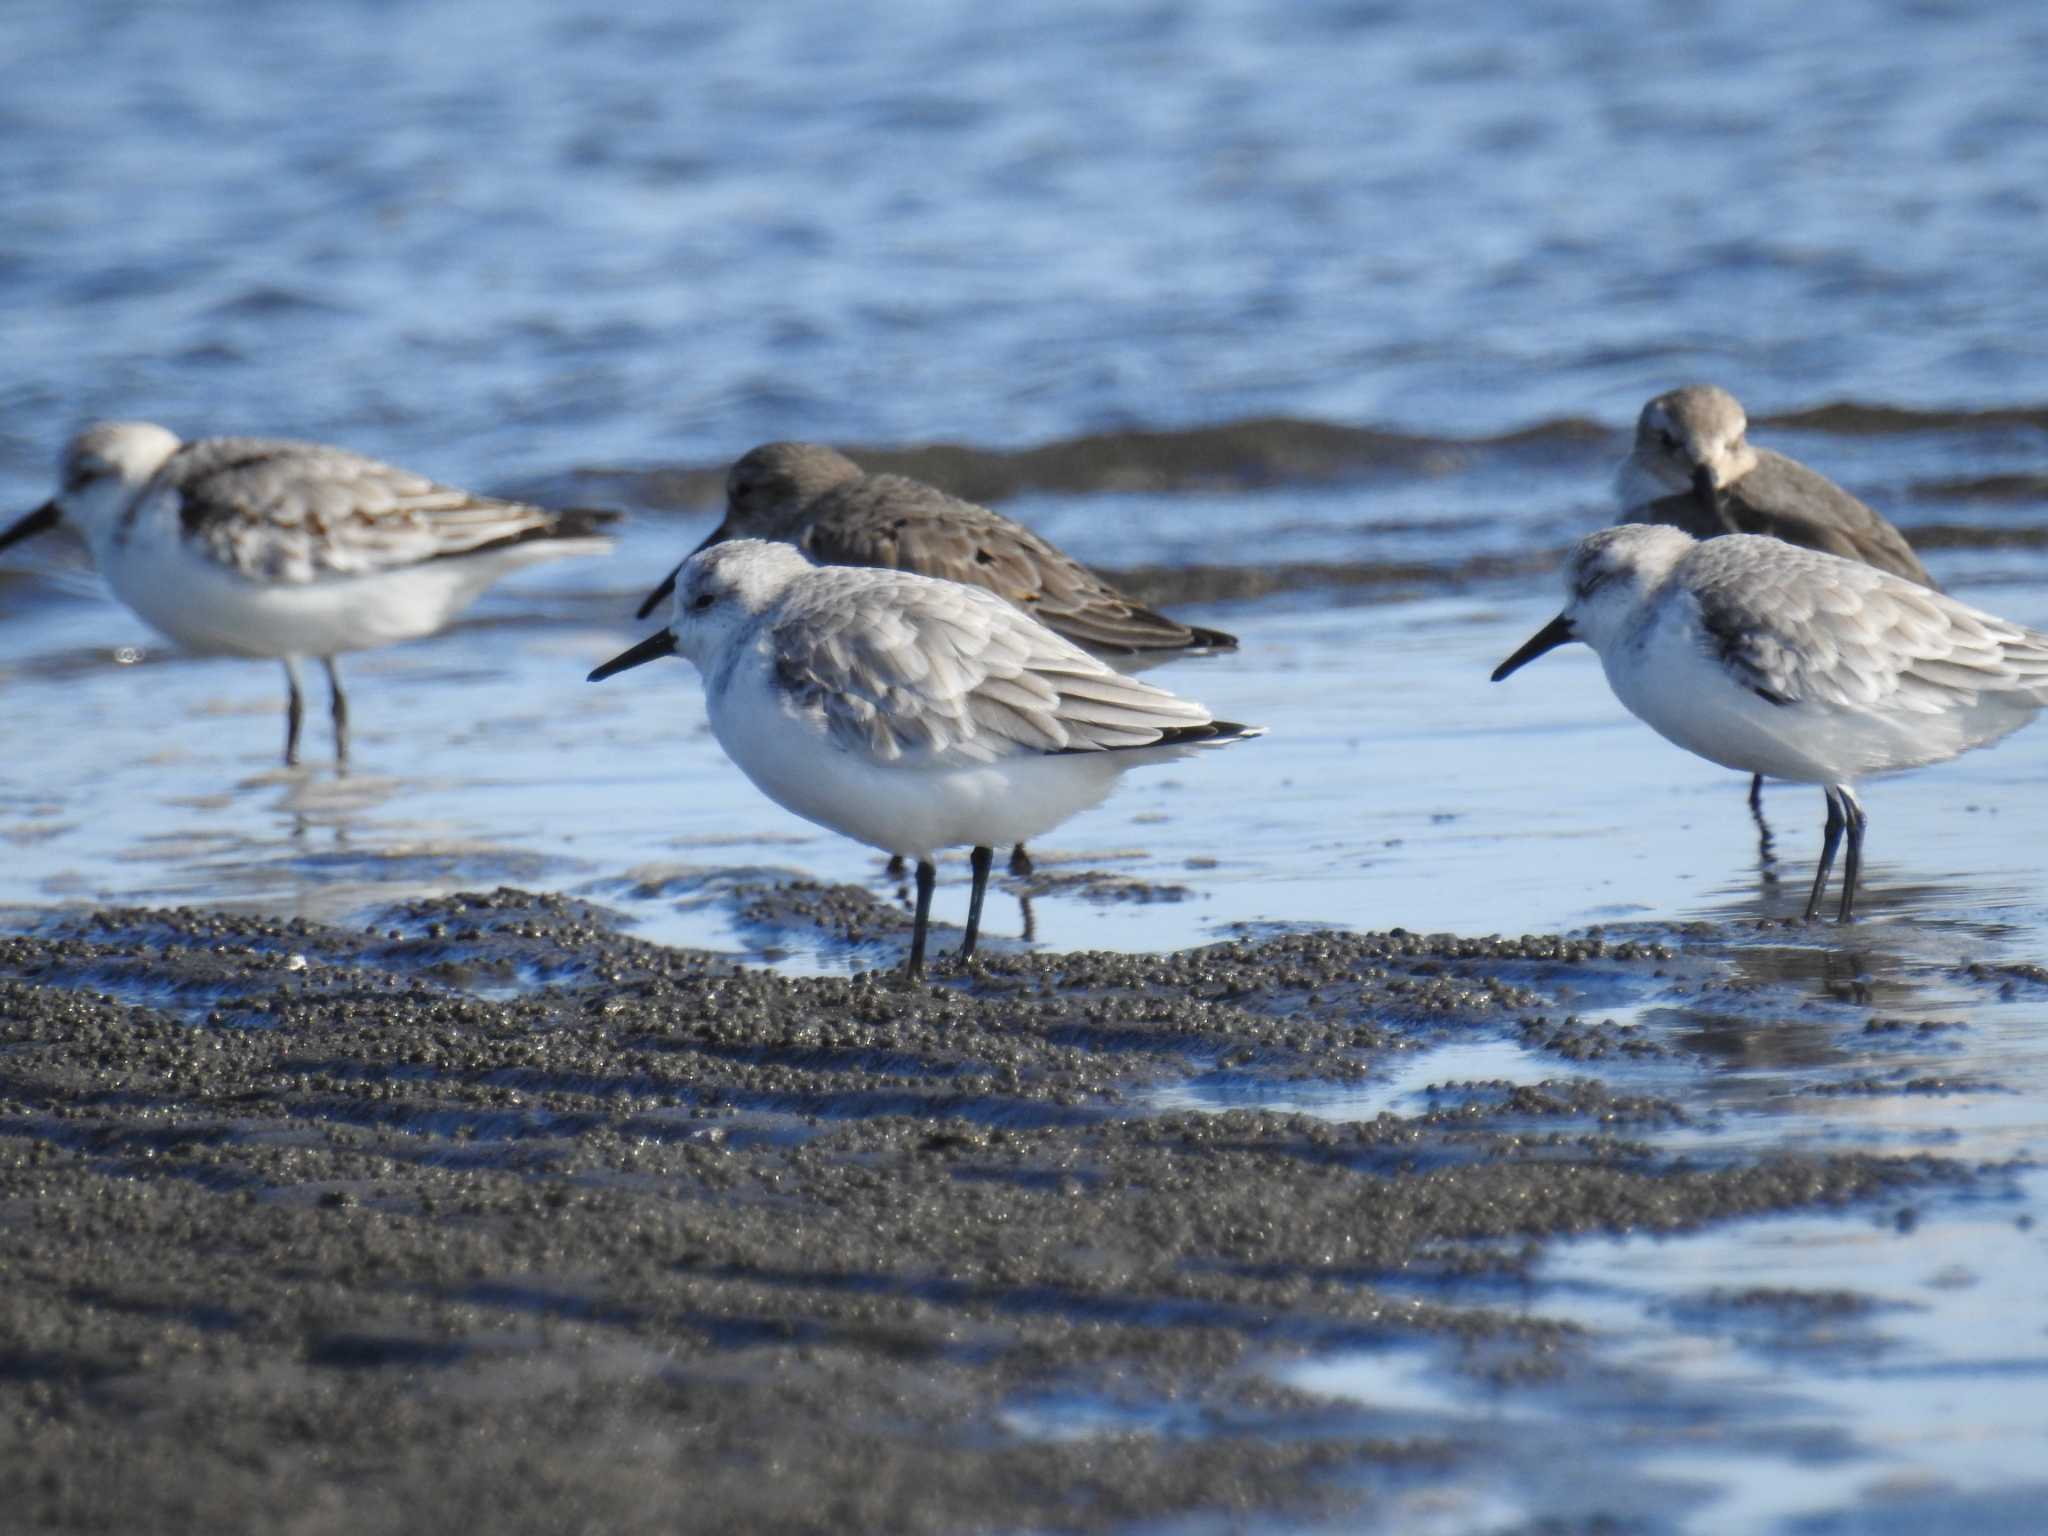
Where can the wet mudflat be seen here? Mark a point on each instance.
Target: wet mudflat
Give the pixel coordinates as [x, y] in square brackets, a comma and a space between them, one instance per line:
[487, 1211]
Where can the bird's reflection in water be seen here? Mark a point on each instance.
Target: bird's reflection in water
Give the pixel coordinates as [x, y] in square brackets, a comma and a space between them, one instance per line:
[337, 848]
[339, 806]
[1749, 1043]
[1766, 854]
[1846, 977]
[1827, 971]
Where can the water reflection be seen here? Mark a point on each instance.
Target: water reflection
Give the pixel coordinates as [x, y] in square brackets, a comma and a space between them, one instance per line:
[1766, 854]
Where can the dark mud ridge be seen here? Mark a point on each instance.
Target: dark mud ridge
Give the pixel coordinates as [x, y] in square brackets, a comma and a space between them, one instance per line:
[1232, 455]
[493, 1217]
[1263, 451]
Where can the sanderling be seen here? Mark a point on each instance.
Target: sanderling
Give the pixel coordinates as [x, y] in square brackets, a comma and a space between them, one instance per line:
[909, 713]
[1783, 661]
[819, 500]
[1692, 467]
[256, 547]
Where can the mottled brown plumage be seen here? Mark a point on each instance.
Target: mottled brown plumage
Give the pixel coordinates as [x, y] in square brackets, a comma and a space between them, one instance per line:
[819, 500]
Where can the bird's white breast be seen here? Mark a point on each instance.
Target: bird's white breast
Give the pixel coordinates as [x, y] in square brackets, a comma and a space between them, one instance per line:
[912, 805]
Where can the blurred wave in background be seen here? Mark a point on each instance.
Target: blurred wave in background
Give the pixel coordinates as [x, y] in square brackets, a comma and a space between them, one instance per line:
[503, 239]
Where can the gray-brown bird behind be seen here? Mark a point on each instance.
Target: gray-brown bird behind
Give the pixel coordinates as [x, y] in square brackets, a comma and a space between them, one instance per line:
[816, 498]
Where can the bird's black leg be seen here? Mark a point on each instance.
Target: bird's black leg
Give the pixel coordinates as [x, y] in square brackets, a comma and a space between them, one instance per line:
[1020, 862]
[1756, 793]
[895, 869]
[294, 711]
[338, 707]
[1852, 864]
[978, 861]
[927, 877]
[1831, 839]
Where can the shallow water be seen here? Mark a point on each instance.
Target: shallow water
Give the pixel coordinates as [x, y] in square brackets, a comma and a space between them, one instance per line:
[1398, 787]
[525, 245]
[1886, 1365]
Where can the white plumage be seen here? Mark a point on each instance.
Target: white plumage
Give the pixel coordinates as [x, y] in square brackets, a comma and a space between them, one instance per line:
[1794, 664]
[270, 548]
[909, 713]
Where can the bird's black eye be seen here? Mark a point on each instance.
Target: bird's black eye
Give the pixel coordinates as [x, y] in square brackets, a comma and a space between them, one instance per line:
[1590, 582]
[702, 601]
[1670, 443]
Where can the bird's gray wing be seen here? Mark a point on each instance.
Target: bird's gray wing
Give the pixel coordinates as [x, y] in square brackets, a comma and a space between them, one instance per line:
[1783, 498]
[299, 512]
[899, 664]
[1803, 627]
[902, 524]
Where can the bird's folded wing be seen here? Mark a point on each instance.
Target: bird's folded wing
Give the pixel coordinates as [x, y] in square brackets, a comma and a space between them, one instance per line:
[301, 512]
[1811, 628]
[1783, 498]
[900, 666]
[902, 524]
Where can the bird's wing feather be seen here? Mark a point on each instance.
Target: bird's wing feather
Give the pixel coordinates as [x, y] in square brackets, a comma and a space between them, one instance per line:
[1783, 498]
[301, 512]
[901, 524]
[1804, 627]
[899, 665]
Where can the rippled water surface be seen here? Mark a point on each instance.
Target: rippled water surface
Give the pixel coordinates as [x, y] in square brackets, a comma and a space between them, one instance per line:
[505, 237]
[515, 244]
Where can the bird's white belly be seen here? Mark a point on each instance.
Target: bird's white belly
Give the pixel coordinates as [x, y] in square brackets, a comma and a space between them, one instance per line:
[206, 607]
[1725, 724]
[914, 810]
[1675, 686]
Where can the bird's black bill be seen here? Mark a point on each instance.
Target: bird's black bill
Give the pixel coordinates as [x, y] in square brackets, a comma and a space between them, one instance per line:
[1708, 495]
[653, 648]
[661, 593]
[1557, 632]
[42, 520]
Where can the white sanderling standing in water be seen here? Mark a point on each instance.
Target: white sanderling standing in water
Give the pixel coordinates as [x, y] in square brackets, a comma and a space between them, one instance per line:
[819, 500]
[1693, 467]
[909, 713]
[1783, 661]
[261, 547]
